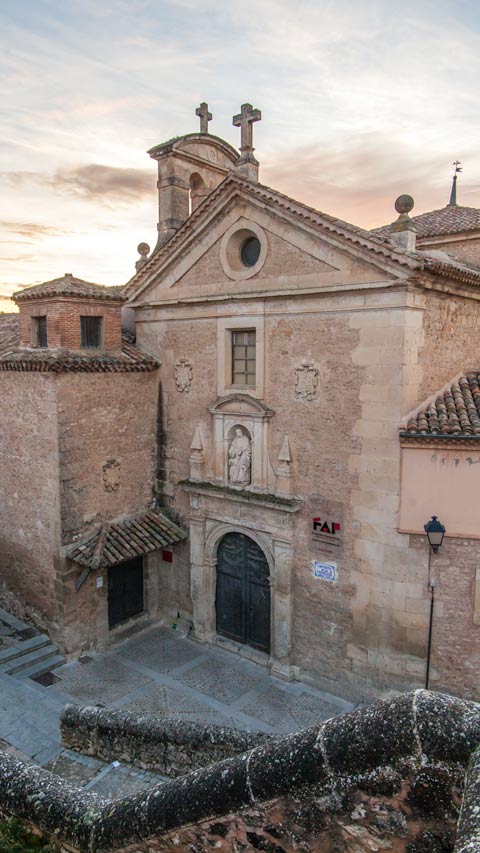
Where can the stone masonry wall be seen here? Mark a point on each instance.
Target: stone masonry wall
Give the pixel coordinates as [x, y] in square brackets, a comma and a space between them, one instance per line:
[378, 352]
[63, 321]
[173, 747]
[322, 441]
[450, 341]
[172, 340]
[105, 420]
[386, 639]
[467, 251]
[29, 489]
[456, 637]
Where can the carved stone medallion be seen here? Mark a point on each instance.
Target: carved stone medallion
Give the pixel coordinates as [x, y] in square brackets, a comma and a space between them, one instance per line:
[306, 380]
[111, 475]
[183, 375]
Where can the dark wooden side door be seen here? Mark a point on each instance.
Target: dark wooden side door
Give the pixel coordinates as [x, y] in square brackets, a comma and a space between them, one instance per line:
[125, 591]
[243, 592]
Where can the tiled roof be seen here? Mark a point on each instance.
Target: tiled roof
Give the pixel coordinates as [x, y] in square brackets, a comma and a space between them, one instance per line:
[8, 332]
[452, 219]
[453, 412]
[129, 360]
[68, 285]
[132, 537]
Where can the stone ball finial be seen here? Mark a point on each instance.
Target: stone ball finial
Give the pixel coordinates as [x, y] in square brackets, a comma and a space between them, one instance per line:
[404, 204]
[143, 249]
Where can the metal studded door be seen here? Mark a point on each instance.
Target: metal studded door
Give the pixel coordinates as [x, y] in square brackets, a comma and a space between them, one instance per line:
[243, 592]
[125, 591]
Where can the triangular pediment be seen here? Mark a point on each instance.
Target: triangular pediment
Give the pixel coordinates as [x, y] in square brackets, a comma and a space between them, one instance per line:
[301, 248]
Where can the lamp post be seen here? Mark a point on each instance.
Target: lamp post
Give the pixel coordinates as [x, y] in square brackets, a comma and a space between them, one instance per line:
[435, 532]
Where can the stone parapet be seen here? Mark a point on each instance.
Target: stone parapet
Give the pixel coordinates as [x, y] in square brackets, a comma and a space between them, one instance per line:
[468, 835]
[418, 727]
[171, 747]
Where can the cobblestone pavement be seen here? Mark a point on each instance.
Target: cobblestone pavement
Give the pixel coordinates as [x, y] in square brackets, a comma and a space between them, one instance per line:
[157, 672]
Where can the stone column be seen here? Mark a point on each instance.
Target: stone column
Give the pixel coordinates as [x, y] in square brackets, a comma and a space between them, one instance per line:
[202, 581]
[282, 641]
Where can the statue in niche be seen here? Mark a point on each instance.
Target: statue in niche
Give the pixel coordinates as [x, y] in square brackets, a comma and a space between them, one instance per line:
[239, 459]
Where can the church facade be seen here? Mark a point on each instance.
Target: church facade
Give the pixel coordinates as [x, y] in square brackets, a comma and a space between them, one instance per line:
[288, 348]
[291, 346]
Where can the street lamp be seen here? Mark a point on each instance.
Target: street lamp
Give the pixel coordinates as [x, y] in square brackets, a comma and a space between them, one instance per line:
[435, 532]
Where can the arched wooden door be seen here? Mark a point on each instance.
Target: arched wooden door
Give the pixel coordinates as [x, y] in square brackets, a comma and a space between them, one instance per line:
[243, 592]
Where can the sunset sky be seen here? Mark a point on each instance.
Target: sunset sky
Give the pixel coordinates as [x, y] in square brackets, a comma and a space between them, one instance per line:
[361, 100]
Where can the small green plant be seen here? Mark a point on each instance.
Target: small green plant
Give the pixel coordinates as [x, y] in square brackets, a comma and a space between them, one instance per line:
[14, 838]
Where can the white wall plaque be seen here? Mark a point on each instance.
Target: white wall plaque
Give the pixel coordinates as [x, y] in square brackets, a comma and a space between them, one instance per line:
[325, 571]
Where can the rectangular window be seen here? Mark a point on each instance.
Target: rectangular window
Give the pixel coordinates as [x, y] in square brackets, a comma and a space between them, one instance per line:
[91, 332]
[40, 332]
[244, 357]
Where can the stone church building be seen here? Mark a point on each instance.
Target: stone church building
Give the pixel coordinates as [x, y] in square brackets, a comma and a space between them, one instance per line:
[292, 400]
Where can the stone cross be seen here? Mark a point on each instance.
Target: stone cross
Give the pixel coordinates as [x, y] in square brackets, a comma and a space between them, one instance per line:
[204, 116]
[245, 120]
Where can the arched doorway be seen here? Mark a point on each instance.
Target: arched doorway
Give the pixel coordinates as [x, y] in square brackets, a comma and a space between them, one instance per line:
[243, 592]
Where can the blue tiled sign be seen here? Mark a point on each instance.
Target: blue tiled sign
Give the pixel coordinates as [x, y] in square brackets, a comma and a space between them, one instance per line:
[325, 571]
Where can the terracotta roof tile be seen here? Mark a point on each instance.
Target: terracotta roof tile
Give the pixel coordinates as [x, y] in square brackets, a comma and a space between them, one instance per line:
[129, 360]
[452, 219]
[9, 334]
[454, 412]
[117, 541]
[68, 285]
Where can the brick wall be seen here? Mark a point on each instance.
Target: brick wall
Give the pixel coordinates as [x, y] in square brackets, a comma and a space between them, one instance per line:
[29, 489]
[63, 321]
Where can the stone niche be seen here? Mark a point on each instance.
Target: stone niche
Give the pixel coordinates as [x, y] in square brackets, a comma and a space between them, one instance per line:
[240, 457]
[239, 421]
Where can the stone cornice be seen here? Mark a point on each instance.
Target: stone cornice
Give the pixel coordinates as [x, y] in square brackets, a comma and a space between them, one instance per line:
[444, 442]
[270, 501]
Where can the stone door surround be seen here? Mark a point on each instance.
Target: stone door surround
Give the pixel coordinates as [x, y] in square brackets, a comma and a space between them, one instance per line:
[271, 528]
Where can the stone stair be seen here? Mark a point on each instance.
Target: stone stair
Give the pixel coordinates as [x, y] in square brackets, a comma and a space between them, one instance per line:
[28, 658]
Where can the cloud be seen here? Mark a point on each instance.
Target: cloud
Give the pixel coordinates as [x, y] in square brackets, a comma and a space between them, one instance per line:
[97, 182]
[32, 230]
[93, 182]
[360, 179]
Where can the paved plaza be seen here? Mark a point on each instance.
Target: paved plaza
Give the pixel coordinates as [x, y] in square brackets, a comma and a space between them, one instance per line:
[154, 672]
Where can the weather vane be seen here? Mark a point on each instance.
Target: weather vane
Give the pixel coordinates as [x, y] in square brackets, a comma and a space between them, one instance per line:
[453, 195]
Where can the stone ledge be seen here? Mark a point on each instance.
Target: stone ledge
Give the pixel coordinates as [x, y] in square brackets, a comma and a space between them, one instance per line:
[270, 501]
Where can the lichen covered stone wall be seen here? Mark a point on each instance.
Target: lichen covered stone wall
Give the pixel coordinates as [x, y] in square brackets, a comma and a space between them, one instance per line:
[384, 777]
[171, 747]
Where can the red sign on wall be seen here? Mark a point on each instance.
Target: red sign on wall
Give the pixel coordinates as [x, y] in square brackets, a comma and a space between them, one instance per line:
[326, 530]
